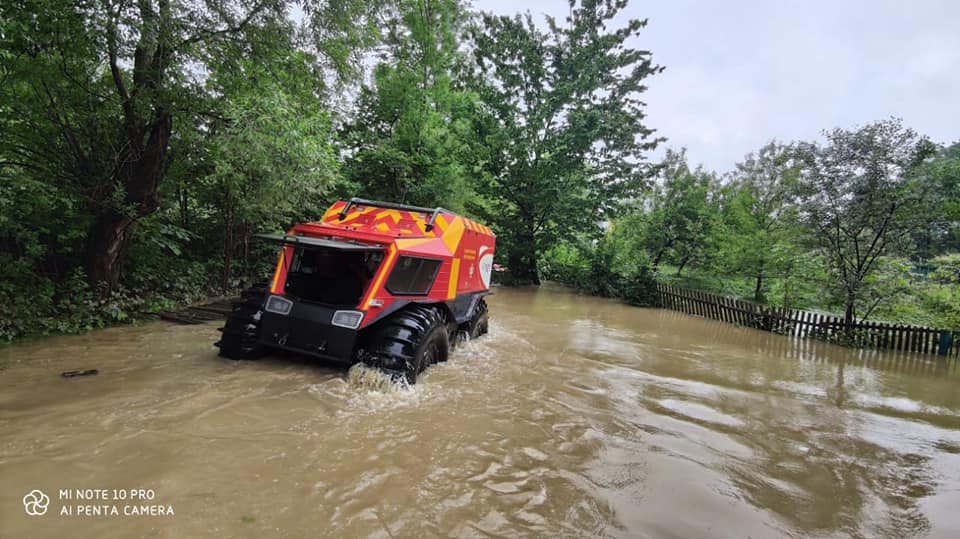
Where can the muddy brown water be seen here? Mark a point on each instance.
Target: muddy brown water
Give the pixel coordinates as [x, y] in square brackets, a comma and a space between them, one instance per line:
[576, 416]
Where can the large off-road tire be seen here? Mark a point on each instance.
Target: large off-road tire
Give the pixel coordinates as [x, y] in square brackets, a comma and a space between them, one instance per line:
[241, 333]
[479, 324]
[408, 342]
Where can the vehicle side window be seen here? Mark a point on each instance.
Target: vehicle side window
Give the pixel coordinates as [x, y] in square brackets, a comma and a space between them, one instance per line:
[412, 275]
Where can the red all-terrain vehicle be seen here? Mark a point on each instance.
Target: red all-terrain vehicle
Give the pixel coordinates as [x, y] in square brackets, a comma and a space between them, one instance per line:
[387, 284]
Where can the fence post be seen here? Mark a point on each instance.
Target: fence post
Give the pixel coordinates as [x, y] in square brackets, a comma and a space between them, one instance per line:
[946, 339]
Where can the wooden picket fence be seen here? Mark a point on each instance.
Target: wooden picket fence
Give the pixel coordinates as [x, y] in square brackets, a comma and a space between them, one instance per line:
[803, 324]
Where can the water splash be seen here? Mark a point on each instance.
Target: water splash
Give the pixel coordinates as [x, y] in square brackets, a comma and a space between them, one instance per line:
[360, 376]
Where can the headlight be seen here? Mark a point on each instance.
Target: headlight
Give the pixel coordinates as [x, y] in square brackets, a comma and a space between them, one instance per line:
[276, 304]
[347, 319]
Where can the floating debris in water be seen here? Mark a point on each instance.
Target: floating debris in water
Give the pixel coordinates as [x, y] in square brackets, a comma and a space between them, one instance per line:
[73, 374]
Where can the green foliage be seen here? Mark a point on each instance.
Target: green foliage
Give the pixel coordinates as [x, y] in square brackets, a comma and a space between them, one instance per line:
[947, 269]
[142, 143]
[412, 140]
[563, 125]
[614, 266]
[941, 174]
[684, 212]
[758, 225]
[861, 198]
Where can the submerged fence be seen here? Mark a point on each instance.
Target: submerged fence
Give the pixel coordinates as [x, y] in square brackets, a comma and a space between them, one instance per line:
[803, 324]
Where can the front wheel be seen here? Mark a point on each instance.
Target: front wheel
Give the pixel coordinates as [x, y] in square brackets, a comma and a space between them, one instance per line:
[408, 342]
[241, 333]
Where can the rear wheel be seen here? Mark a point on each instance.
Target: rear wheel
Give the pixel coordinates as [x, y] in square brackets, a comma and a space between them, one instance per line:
[241, 333]
[408, 342]
[479, 324]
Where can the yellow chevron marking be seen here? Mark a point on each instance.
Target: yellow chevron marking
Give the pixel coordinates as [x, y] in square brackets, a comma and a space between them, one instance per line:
[413, 242]
[454, 275]
[335, 209]
[395, 214]
[451, 237]
[418, 219]
[354, 215]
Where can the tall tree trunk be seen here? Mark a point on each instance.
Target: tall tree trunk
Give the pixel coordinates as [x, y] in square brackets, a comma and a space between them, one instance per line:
[228, 245]
[849, 316]
[143, 145]
[758, 290]
[666, 245]
[656, 259]
[522, 259]
[105, 242]
[183, 201]
[139, 176]
[523, 267]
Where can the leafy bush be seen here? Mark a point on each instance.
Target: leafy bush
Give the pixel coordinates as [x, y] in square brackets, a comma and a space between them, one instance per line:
[611, 267]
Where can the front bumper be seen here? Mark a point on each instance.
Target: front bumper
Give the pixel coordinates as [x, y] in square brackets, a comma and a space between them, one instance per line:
[307, 330]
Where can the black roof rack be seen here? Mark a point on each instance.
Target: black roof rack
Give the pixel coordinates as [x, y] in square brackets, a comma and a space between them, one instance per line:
[434, 212]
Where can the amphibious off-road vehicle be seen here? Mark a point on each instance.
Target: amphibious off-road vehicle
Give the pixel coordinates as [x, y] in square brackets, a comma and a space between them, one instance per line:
[390, 285]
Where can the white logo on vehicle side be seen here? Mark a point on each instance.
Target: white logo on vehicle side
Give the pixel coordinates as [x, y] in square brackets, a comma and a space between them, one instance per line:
[485, 263]
[35, 503]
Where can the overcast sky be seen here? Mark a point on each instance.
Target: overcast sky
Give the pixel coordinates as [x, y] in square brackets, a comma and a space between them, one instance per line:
[740, 73]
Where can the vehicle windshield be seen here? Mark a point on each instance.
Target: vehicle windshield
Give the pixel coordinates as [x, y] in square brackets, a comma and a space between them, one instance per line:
[331, 276]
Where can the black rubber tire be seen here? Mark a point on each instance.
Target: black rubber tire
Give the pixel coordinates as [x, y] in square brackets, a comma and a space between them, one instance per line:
[407, 342]
[241, 333]
[479, 324]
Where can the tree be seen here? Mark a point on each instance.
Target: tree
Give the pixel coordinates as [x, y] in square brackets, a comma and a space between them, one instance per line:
[683, 211]
[859, 194]
[942, 174]
[410, 140]
[759, 228]
[272, 165]
[563, 124]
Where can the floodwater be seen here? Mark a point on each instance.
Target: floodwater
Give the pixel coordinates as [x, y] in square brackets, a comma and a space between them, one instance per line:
[575, 417]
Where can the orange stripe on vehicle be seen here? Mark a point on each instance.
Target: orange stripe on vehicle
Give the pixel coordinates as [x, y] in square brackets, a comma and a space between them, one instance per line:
[276, 272]
[384, 268]
[454, 275]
